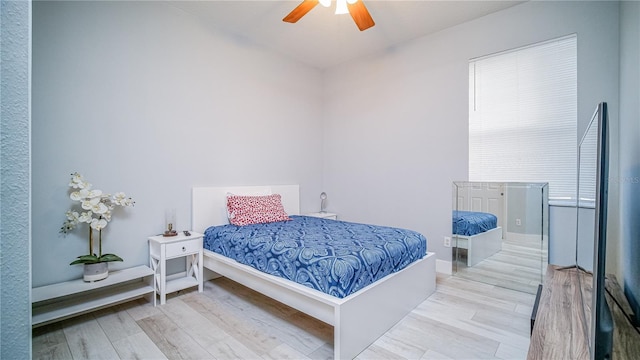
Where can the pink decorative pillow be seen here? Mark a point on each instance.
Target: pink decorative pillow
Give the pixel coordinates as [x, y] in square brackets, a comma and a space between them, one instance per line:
[245, 210]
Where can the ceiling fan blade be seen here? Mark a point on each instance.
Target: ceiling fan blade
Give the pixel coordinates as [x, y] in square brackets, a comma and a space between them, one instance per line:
[360, 15]
[300, 11]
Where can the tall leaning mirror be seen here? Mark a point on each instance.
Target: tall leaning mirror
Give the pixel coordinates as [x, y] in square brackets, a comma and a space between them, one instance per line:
[500, 233]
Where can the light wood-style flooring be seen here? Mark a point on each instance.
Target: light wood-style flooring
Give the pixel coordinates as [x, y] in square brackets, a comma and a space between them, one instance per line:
[520, 265]
[462, 320]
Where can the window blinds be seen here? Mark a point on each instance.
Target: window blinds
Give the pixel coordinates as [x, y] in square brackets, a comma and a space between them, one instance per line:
[523, 115]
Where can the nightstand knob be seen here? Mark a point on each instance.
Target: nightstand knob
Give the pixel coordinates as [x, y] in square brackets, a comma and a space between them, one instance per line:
[184, 249]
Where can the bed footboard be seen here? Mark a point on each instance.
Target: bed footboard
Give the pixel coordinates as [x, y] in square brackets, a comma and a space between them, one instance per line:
[360, 320]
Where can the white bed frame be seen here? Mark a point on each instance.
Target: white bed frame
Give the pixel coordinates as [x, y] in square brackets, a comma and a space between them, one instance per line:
[480, 246]
[358, 319]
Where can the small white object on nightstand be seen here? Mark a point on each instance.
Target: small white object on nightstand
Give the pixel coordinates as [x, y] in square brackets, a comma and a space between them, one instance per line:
[162, 248]
[324, 215]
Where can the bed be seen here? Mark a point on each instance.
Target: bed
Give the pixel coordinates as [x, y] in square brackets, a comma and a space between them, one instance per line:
[351, 315]
[478, 233]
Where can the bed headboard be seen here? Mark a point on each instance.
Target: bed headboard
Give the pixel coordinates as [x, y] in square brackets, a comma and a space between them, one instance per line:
[209, 204]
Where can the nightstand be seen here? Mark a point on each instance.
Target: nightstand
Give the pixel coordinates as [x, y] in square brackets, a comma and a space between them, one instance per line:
[324, 215]
[163, 248]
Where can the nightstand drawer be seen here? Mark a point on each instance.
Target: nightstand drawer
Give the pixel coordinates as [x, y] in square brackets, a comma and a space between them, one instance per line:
[183, 248]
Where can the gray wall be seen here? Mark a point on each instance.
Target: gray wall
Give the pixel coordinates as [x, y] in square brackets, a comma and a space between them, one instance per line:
[141, 97]
[562, 235]
[525, 202]
[15, 213]
[397, 122]
[629, 179]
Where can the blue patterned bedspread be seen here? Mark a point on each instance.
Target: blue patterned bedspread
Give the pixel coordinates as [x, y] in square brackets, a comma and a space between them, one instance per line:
[472, 222]
[335, 257]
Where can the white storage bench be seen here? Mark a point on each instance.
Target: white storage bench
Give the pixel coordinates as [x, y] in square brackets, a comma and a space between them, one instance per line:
[63, 300]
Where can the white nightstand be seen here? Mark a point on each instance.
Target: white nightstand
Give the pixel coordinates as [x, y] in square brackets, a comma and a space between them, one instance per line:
[324, 215]
[162, 248]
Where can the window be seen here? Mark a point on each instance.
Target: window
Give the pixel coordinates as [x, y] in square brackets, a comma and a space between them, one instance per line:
[523, 116]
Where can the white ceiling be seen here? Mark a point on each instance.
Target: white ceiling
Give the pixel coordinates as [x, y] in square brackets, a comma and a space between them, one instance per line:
[323, 39]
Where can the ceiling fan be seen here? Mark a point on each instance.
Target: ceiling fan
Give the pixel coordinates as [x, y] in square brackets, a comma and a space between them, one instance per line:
[356, 8]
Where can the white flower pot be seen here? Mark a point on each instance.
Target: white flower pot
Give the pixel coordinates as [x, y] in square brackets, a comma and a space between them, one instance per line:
[96, 271]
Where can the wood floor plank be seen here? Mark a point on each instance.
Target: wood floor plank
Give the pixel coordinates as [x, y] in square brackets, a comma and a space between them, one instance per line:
[139, 309]
[233, 323]
[464, 298]
[193, 323]
[511, 322]
[399, 347]
[116, 324]
[376, 352]
[434, 355]
[450, 340]
[138, 346]
[54, 352]
[475, 289]
[48, 336]
[508, 352]
[284, 352]
[49, 343]
[524, 309]
[230, 348]
[174, 342]
[483, 329]
[500, 274]
[455, 300]
[87, 340]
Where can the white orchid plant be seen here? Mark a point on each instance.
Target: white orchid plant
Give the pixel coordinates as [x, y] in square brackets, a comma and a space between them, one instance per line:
[97, 208]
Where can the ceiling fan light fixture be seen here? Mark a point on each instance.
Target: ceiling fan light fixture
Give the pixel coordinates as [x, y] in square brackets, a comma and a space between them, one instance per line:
[355, 8]
[341, 7]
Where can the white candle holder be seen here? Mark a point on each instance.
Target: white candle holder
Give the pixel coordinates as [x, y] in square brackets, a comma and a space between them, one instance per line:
[170, 223]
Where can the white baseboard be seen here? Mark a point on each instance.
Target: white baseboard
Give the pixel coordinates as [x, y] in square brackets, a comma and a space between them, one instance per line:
[444, 267]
